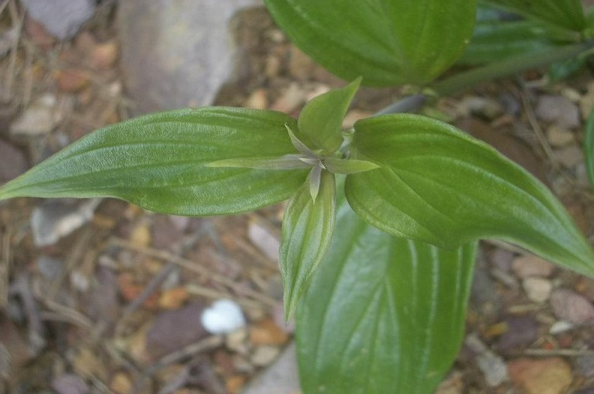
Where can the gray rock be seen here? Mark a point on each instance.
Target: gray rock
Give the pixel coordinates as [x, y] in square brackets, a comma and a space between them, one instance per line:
[522, 332]
[280, 378]
[61, 18]
[177, 54]
[38, 119]
[491, 365]
[572, 307]
[57, 218]
[558, 110]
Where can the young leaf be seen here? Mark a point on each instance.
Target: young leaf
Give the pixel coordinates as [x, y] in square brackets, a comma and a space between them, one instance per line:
[306, 235]
[381, 315]
[160, 162]
[348, 166]
[387, 42]
[321, 119]
[567, 14]
[440, 186]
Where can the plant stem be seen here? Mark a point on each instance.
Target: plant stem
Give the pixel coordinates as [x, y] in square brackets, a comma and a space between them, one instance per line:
[514, 65]
[470, 78]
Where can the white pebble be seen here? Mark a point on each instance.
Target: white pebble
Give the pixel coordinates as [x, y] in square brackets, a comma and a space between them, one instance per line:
[223, 316]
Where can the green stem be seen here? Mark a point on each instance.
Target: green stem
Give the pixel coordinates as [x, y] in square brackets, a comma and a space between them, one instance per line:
[467, 79]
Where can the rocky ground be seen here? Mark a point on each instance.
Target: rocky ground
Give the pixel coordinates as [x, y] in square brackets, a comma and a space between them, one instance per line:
[99, 296]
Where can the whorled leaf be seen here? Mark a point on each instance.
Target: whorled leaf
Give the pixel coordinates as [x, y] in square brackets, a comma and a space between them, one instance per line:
[387, 42]
[160, 162]
[306, 235]
[567, 14]
[321, 119]
[382, 315]
[440, 186]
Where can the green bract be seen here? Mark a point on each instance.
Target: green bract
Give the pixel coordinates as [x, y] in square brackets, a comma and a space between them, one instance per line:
[382, 314]
[438, 185]
[387, 42]
[160, 162]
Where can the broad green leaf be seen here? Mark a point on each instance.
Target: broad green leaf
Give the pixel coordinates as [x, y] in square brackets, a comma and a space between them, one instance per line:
[382, 315]
[589, 147]
[387, 42]
[306, 235]
[160, 162]
[567, 14]
[440, 186]
[321, 119]
[497, 37]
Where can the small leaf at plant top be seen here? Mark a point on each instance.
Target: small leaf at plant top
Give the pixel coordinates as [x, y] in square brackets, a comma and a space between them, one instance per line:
[348, 166]
[387, 42]
[381, 314]
[438, 185]
[567, 14]
[306, 235]
[160, 162]
[286, 162]
[589, 147]
[321, 119]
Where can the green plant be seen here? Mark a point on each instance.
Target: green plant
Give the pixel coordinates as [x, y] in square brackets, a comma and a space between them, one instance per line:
[381, 231]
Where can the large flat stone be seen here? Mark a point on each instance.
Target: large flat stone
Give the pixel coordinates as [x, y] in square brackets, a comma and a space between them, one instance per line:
[177, 53]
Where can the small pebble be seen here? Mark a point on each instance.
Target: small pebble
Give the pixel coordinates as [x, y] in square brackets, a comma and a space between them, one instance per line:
[560, 327]
[541, 376]
[264, 355]
[530, 265]
[570, 156]
[537, 289]
[236, 341]
[558, 136]
[222, 317]
[570, 306]
[491, 365]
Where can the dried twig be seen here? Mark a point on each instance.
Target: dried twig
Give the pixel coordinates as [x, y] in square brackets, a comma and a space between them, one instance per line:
[149, 289]
[192, 349]
[558, 352]
[17, 22]
[4, 268]
[74, 258]
[194, 267]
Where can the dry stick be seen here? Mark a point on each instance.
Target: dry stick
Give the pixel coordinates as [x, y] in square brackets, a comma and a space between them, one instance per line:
[192, 349]
[72, 261]
[18, 24]
[149, 289]
[215, 295]
[36, 329]
[5, 269]
[69, 314]
[558, 352]
[538, 131]
[192, 266]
